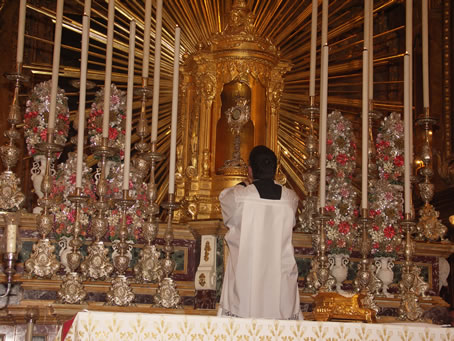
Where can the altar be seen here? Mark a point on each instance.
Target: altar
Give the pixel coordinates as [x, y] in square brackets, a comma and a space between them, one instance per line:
[90, 325]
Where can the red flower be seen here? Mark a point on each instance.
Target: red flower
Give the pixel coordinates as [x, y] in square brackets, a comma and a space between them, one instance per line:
[342, 159]
[113, 133]
[389, 232]
[43, 134]
[329, 141]
[399, 161]
[376, 245]
[375, 227]
[344, 227]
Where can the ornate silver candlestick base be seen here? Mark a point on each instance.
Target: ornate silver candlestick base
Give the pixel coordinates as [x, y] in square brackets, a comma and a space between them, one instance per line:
[120, 292]
[366, 282]
[167, 295]
[11, 196]
[412, 286]
[320, 278]
[72, 289]
[43, 262]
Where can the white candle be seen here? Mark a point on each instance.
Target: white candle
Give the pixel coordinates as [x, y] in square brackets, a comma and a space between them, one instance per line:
[366, 33]
[313, 60]
[108, 73]
[173, 127]
[370, 49]
[87, 8]
[11, 235]
[425, 53]
[407, 128]
[156, 73]
[365, 130]
[55, 67]
[409, 49]
[82, 96]
[21, 32]
[323, 124]
[324, 23]
[129, 95]
[146, 39]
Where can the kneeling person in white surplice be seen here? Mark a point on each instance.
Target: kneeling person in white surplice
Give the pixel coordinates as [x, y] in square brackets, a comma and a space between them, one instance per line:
[261, 274]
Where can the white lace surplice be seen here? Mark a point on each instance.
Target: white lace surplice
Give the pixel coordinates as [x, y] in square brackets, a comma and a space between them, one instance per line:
[261, 274]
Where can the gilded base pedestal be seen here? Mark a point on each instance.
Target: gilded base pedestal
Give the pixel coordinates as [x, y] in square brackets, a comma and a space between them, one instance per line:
[72, 290]
[331, 305]
[167, 295]
[120, 292]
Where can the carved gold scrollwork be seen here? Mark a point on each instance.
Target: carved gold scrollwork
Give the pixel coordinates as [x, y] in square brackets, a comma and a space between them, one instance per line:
[207, 250]
[42, 263]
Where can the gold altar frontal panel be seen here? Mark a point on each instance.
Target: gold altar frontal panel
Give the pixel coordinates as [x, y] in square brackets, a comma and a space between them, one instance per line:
[136, 326]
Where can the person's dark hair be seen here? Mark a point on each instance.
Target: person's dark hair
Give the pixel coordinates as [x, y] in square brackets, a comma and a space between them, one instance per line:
[263, 162]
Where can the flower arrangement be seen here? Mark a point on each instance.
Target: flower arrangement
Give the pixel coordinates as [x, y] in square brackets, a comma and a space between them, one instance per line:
[64, 185]
[37, 116]
[135, 215]
[341, 229]
[116, 120]
[385, 196]
[386, 211]
[390, 147]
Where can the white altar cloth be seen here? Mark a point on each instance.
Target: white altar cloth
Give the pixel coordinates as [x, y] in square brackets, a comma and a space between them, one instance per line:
[91, 326]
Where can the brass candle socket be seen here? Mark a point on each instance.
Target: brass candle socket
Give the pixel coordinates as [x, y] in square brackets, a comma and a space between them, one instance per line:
[10, 269]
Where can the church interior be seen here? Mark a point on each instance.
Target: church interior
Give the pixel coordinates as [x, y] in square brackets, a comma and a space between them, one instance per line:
[117, 215]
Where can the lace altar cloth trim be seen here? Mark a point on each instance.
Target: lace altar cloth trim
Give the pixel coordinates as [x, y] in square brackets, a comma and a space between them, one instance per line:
[138, 326]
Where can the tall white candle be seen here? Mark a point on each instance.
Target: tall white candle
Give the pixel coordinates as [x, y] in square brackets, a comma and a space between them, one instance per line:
[21, 32]
[82, 97]
[324, 23]
[323, 124]
[173, 127]
[87, 8]
[313, 60]
[129, 95]
[365, 129]
[55, 67]
[366, 32]
[108, 73]
[425, 53]
[146, 39]
[370, 49]
[156, 73]
[407, 128]
[409, 49]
